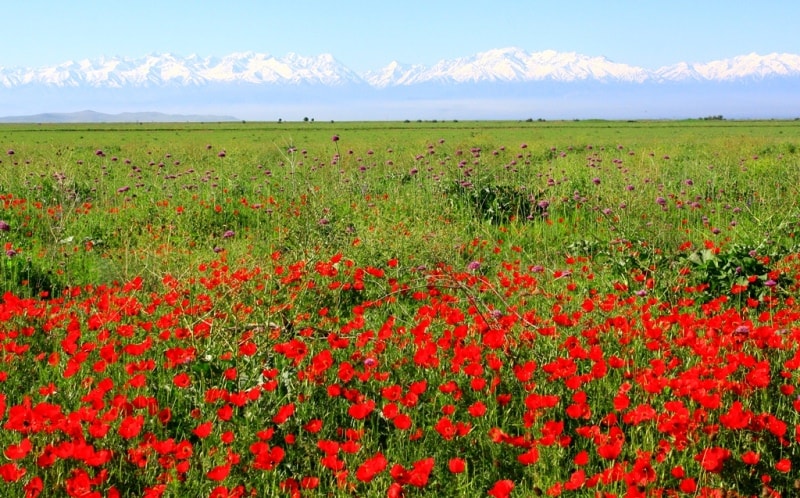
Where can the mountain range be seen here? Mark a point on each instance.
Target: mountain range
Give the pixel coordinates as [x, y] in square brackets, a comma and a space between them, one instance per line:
[491, 84]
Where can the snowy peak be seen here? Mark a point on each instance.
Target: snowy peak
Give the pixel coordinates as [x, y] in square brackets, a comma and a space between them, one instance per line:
[513, 64]
[503, 65]
[394, 74]
[171, 70]
[508, 65]
[751, 66]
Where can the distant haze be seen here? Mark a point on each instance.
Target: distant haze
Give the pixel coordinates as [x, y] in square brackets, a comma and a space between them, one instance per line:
[506, 83]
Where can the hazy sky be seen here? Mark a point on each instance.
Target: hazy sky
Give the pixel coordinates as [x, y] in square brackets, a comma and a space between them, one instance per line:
[369, 34]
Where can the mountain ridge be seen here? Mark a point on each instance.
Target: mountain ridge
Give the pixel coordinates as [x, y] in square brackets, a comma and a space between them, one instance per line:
[89, 116]
[510, 64]
[504, 83]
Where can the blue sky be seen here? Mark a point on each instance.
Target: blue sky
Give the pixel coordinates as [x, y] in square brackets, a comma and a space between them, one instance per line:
[369, 34]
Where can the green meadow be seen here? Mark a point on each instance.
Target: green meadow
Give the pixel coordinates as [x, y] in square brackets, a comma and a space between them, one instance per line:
[585, 308]
[393, 186]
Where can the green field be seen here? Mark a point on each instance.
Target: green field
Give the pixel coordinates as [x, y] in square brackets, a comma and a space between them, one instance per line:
[370, 192]
[584, 308]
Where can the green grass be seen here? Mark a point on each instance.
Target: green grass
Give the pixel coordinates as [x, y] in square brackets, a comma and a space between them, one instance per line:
[394, 191]
[600, 294]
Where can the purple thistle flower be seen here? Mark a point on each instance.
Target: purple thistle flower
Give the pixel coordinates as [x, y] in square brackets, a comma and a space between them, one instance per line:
[742, 330]
[4, 226]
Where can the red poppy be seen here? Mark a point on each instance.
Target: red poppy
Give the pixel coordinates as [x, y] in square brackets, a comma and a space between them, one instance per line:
[219, 473]
[420, 472]
[612, 445]
[371, 467]
[328, 447]
[576, 480]
[11, 472]
[477, 409]
[395, 491]
[361, 410]
[736, 417]
[283, 414]
[131, 426]
[34, 487]
[582, 458]
[688, 485]
[402, 422]
[182, 380]
[332, 462]
[502, 489]
[750, 458]
[203, 430]
[530, 457]
[759, 376]
[712, 459]
[642, 473]
[309, 482]
[456, 465]
[313, 426]
[18, 451]
[445, 428]
[225, 412]
[266, 458]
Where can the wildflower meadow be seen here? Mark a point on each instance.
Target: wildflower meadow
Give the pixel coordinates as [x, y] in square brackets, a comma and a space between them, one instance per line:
[503, 309]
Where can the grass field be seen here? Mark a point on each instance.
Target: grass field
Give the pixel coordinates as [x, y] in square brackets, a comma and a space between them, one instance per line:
[583, 308]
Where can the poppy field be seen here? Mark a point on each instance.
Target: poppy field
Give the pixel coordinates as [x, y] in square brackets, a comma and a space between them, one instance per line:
[515, 309]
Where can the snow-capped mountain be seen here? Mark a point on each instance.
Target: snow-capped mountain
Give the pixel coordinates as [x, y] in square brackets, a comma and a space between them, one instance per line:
[168, 69]
[394, 74]
[510, 65]
[507, 65]
[752, 66]
[495, 84]
[251, 67]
